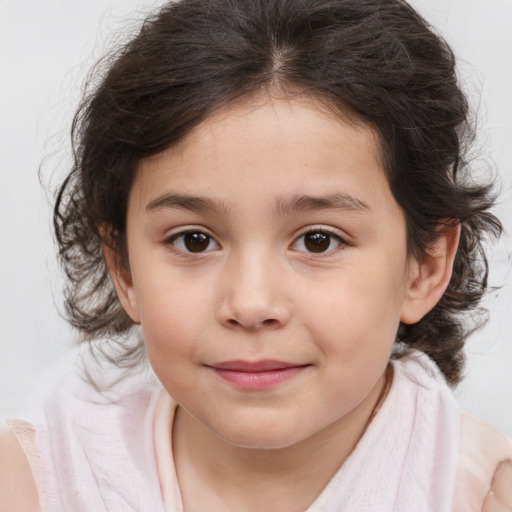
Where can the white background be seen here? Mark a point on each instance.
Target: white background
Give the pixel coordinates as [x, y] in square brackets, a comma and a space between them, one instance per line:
[46, 49]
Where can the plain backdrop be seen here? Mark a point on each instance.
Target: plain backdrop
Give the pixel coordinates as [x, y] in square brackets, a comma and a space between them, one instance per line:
[46, 50]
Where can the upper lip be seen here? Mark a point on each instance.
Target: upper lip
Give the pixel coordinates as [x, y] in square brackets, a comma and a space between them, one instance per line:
[254, 366]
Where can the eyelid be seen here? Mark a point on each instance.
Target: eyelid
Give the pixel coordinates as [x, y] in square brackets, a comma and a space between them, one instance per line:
[320, 228]
[187, 228]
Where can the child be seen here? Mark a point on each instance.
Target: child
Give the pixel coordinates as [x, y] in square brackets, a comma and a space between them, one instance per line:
[276, 192]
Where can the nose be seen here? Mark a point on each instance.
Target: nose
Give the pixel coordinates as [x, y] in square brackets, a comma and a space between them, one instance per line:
[252, 295]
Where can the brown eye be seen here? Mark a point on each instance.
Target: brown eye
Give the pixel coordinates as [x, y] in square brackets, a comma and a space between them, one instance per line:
[317, 242]
[193, 242]
[196, 242]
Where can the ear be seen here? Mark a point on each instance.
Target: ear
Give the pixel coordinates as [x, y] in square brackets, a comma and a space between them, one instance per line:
[122, 280]
[429, 277]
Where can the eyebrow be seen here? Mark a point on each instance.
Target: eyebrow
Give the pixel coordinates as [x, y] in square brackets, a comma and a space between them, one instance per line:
[304, 203]
[196, 204]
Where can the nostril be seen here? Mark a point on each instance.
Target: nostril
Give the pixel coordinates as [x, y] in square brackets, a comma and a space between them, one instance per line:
[269, 322]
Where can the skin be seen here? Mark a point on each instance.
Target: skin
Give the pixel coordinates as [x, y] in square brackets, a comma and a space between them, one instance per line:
[266, 172]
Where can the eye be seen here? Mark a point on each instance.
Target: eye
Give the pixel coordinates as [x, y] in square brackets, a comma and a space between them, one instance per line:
[193, 242]
[317, 242]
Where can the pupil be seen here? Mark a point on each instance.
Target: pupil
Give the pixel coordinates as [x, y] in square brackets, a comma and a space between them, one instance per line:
[196, 242]
[317, 242]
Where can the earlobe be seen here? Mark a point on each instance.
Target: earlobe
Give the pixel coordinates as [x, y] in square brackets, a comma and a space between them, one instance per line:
[123, 284]
[429, 277]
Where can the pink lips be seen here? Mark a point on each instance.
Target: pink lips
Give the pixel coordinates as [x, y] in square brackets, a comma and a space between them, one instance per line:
[256, 375]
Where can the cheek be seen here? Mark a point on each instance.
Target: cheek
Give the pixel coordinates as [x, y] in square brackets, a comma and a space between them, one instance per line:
[357, 313]
[171, 336]
[172, 318]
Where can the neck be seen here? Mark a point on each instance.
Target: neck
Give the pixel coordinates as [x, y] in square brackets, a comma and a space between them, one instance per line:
[216, 475]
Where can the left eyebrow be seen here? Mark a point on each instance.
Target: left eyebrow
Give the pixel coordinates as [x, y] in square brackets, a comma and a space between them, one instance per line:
[341, 202]
[195, 204]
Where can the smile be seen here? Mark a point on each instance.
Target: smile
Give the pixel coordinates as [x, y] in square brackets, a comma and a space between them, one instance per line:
[256, 375]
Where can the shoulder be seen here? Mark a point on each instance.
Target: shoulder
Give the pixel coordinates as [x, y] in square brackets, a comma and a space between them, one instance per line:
[500, 496]
[18, 490]
[485, 467]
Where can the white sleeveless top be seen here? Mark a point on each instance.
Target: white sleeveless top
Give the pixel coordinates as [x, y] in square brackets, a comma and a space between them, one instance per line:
[111, 450]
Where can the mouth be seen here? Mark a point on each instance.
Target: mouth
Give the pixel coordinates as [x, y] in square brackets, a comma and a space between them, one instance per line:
[257, 375]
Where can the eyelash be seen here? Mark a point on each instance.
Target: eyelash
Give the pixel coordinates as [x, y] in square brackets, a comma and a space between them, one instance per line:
[329, 236]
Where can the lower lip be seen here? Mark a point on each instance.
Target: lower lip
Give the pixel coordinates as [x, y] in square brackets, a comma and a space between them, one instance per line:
[259, 380]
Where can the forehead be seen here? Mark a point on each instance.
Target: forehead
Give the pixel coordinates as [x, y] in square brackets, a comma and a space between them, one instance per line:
[271, 149]
[279, 122]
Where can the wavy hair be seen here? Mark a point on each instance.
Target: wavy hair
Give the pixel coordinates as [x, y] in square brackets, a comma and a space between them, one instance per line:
[376, 60]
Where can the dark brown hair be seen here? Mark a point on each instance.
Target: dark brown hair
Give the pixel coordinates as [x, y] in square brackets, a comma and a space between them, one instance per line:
[376, 60]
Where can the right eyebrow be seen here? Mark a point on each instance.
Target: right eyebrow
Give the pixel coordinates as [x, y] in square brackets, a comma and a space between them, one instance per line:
[195, 204]
[338, 201]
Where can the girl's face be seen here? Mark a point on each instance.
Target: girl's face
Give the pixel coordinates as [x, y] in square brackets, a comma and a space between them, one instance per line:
[269, 270]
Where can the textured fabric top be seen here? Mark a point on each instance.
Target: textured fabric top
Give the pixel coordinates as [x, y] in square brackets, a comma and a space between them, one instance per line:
[97, 447]
[406, 460]
[111, 450]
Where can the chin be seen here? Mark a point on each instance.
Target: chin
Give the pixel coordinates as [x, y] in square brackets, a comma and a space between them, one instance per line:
[259, 437]
[258, 443]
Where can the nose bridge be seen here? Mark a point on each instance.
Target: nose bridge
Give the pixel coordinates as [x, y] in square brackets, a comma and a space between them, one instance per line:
[252, 295]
